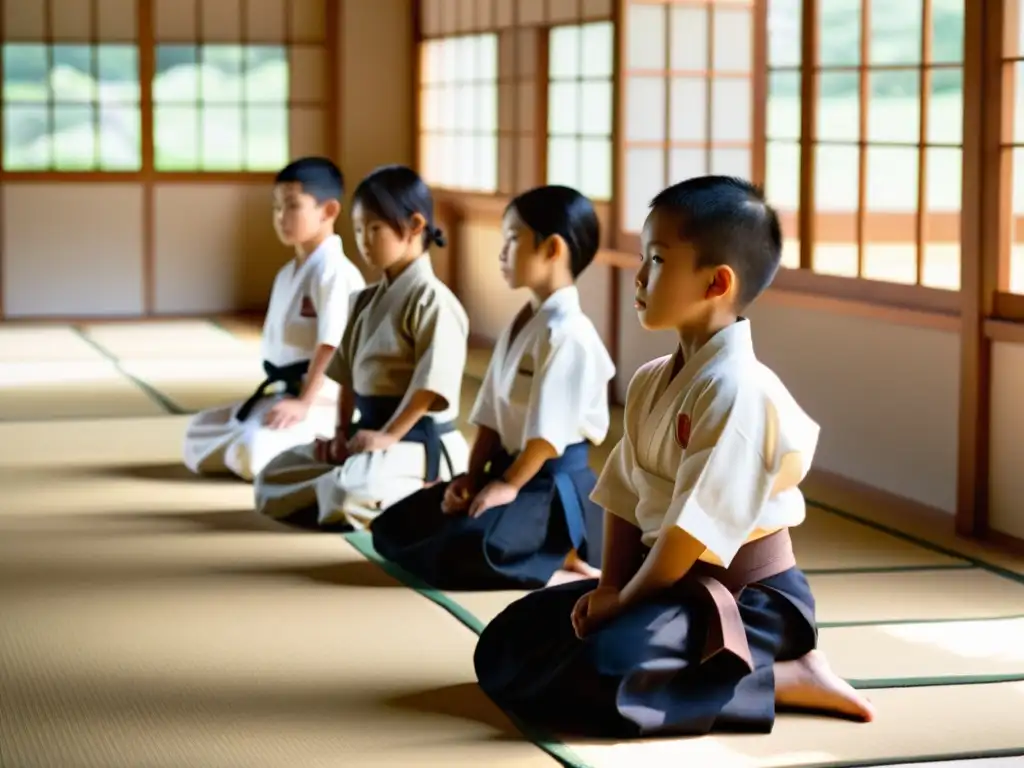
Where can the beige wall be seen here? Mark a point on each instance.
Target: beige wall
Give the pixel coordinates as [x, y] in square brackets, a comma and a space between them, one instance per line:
[886, 395]
[1006, 486]
[73, 248]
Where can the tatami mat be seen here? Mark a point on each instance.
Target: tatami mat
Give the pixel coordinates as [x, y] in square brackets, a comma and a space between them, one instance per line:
[194, 384]
[881, 512]
[915, 596]
[915, 673]
[151, 619]
[34, 343]
[865, 598]
[872, 655]
[264, 667]
[169, 340]
[918, 653]
[913, 724]
[70, 389]
[825, 541]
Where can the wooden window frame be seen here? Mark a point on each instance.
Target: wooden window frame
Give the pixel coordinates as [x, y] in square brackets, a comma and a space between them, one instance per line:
[917, 304]
[884, 294]
[1009, 227]
[424, 135]
[629, 241]
[147, 177]
[146, 45]
[503, 17]
[579, 80]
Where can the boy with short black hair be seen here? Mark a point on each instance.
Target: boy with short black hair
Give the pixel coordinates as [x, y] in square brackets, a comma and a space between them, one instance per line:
[305, 320]
[701, 619]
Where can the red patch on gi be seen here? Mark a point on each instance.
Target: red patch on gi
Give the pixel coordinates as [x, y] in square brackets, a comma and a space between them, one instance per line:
[308, 309]
[683, 430]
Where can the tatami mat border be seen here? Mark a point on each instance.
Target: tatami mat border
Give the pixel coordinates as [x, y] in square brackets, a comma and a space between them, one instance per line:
[363, 543]
[152, 392]
[175, 409]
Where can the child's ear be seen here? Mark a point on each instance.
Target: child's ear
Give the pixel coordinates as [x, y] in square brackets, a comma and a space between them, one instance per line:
[332, 209]
[723, 280]
[555, 247]
[417, 225]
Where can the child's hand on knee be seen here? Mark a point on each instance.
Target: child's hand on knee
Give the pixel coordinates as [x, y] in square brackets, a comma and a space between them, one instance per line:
[286, 413]
[595, 608]
[458, 495]
[496, 493]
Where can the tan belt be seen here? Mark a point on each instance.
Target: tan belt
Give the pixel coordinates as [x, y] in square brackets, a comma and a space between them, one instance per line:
[760, 559]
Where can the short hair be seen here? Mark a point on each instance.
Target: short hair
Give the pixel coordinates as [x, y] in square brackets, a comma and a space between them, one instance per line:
[396, 193]
[318, 176]
[562, 211]
[730, 223]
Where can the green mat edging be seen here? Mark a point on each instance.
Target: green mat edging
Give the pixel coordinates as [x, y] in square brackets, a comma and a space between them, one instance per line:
[869, 684]
[918, 541]
[165, 401]
[151, 392]
[889, 569]
[362, 541]
[891, 622]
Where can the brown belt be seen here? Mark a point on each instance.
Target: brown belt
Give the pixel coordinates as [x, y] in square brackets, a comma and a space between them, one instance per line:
[760, 559]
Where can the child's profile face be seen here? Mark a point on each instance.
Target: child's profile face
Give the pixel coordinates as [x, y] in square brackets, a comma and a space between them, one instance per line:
[298, 218]
[671, 292]
[378, 243]
[523, 263]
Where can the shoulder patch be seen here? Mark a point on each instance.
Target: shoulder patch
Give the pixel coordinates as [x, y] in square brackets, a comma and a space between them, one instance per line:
[683, 430]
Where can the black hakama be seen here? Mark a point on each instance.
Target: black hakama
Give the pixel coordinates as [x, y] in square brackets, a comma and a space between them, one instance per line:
[684, 663]
[515, 546]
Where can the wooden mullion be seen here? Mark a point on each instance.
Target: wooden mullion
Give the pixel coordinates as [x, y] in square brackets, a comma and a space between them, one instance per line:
[925, 85]
[200, 101]
[619, 61]
[981, 171]
[1003, 201]
[862, 154]
[334, 59]
[145, 36]
[709, 123]
[759, 93]
[94, 71]
[809, 40]
[3, 145]
[666, 151]
[245, 106]
[51, 122]
[579, 94]
[542, 84]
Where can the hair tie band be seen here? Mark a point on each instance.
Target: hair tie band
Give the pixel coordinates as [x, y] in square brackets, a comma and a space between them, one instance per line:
[438, 237]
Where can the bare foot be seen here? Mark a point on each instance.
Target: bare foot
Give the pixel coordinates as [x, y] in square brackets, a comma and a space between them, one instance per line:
[809, 683]
[564, 577]
[574, 569]
[575, 564]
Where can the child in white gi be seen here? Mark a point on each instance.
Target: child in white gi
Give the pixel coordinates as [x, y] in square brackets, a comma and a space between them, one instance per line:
[701, 619]
[304, 322]
[399, 365]
[521, 516]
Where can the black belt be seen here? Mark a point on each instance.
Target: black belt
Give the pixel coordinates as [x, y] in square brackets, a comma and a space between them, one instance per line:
[376, 410]
[291, 375]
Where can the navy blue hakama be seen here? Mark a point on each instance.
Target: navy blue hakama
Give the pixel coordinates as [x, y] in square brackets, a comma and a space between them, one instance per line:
[697, 658]
[516, 546]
